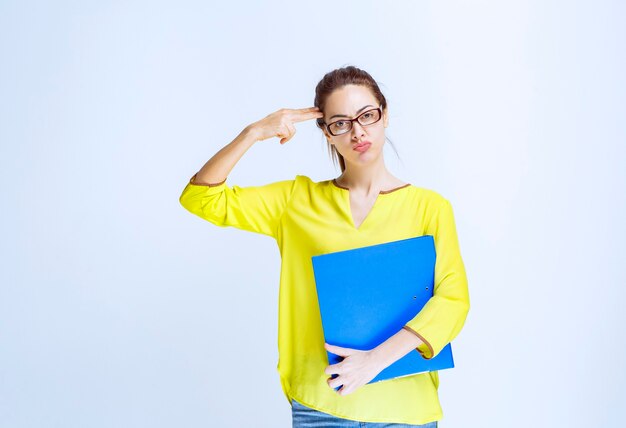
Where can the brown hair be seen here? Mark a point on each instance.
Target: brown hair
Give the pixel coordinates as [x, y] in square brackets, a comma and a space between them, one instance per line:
[336, 79]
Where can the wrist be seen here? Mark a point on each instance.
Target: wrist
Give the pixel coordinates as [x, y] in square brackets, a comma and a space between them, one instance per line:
[250, 133]
[380, 356]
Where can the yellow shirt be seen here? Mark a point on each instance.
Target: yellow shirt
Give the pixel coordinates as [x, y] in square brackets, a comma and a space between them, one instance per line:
[308, 218]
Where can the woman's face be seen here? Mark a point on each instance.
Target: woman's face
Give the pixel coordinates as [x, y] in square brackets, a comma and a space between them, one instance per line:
[349, 102]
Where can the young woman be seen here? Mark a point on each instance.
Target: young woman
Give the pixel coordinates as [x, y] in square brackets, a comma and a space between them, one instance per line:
[365, 205]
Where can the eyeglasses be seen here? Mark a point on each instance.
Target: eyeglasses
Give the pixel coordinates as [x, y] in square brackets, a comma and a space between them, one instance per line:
[345, 125]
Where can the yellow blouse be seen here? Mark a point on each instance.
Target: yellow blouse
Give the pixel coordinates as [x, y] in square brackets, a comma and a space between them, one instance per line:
[308, 218]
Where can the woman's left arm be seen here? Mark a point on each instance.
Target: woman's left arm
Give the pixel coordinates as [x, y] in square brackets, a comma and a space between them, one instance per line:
[394, 348]
[443, 316]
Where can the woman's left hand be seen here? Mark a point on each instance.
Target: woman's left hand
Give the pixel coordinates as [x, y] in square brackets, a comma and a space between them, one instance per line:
[357, 368]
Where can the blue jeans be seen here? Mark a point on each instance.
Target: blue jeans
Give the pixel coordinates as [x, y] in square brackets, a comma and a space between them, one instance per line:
[303, 416]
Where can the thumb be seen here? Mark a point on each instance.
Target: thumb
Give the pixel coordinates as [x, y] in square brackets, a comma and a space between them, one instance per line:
[338, 350]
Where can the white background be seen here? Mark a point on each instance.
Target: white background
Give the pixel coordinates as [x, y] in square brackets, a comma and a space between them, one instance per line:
[118, 308]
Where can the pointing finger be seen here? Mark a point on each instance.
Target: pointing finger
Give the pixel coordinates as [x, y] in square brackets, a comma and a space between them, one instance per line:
[306, 114]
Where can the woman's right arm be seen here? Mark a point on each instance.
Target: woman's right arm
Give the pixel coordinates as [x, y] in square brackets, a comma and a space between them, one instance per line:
[253, 208]
[217, 168]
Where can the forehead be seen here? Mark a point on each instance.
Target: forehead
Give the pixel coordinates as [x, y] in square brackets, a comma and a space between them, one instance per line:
[348, 100]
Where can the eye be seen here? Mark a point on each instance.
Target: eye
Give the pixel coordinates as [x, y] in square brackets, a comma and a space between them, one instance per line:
[340, 123]
[368, 115]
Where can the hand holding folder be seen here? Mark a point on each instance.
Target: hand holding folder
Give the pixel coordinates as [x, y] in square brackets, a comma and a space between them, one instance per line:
[368, 294]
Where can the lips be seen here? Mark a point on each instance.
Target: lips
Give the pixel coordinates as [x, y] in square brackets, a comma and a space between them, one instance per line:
[361, 145]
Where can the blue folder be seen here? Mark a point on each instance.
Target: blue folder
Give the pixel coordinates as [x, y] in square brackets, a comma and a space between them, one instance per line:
[368, 294]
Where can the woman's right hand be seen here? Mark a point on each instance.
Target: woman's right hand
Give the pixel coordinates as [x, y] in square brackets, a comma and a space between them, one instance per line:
[281, 123]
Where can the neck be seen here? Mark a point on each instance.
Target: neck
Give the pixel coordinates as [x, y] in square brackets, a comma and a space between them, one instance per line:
[366, 179]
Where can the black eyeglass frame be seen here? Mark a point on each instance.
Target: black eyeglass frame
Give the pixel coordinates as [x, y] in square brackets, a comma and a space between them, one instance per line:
[356, 119]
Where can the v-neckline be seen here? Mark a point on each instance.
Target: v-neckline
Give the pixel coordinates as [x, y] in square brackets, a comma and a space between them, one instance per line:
[369, 213]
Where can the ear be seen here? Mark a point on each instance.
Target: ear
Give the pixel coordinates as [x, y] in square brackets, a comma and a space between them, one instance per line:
[385, 117]
[328, 137]
[326, 134]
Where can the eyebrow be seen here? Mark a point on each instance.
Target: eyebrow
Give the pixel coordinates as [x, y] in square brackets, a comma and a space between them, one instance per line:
[343, 115]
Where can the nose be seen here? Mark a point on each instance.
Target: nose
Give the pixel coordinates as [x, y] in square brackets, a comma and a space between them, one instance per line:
[357, 129]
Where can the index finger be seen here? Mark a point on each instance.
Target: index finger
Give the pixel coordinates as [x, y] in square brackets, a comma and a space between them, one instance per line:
[302, 114]
[334, 369]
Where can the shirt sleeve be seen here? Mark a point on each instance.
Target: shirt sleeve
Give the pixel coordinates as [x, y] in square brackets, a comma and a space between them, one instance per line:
[255, 209]
[443, 316]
